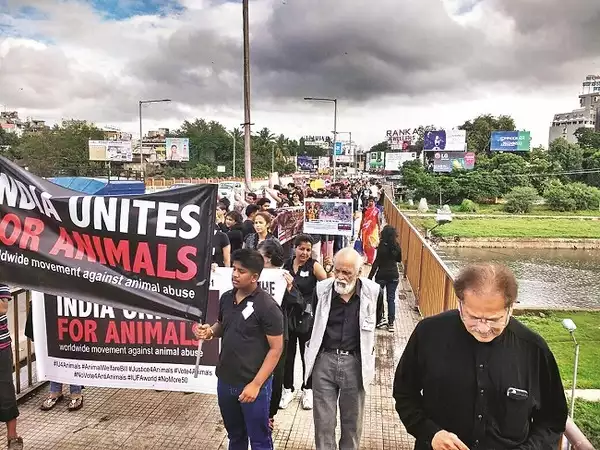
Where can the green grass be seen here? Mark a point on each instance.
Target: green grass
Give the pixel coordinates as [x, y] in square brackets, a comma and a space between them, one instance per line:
[513, 227]
[559, 340]
[587, 418]
[497, 210]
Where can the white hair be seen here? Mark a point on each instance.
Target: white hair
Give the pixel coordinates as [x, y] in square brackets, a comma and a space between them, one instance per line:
[350, 253]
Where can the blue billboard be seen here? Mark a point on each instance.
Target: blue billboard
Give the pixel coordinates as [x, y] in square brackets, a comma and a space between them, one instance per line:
[306, 163]
[338, 148]
[510, 141]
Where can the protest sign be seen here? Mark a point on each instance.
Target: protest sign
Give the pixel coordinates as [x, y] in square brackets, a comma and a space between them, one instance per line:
[329, 216]
[289, 223]
[83, 343]
[150, 253]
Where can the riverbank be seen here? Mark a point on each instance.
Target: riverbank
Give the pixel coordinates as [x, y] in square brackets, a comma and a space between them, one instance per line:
[513, 232]
[549, 325]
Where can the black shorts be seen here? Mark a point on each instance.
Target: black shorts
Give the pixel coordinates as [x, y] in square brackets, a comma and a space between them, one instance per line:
[8, 397]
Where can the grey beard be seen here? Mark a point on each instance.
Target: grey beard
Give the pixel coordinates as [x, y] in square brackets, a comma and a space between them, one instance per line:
[344, 288]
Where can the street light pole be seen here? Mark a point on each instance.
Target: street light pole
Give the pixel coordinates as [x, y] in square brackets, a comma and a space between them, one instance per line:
[146, 102]
[334, 101]
[247, 131]
[272, 157]
[232, 136]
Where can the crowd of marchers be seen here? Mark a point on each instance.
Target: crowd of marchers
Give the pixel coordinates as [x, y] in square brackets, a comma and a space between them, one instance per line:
[470, 378]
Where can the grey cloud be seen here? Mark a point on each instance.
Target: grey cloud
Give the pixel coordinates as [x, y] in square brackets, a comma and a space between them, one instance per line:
[359, 51]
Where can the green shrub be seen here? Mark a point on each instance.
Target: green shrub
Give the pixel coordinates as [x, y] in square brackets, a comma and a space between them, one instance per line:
[520, 200]
[559, 199]
[468, 206]
[572, 197]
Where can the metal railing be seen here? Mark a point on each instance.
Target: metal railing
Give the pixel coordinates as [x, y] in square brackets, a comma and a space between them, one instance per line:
[24, 354]
[432, 284]
[429, 277]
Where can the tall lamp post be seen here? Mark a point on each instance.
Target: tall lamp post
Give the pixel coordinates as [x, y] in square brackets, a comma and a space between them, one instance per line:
[334, 101]
[570, 326]
[146, 102]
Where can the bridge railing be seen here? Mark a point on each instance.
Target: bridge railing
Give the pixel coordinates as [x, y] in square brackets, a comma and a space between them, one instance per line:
[25, 377]
[432, 284]
[429, 277]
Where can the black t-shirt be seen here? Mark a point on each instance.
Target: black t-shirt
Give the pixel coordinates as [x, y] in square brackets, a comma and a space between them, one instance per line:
[305, 278]
[246, 325]
[220, 241]
[343, 330]
[248, 227]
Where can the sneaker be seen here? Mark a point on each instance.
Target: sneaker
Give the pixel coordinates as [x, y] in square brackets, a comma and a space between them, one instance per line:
[15, 444]
[382, 324]
[391, 327]
[307, 399]
[286, 398]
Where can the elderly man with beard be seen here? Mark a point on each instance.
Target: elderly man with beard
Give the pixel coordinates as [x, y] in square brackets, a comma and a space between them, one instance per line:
[341, 352]
[475, 378]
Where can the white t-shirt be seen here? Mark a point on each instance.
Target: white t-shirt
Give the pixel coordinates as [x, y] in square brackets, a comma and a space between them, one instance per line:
[375, 191]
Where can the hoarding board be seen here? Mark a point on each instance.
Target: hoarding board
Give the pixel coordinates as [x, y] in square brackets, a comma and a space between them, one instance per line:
[178, 149]
[376, 160]
[305, 163]
[116, 151]
[510, 141]
[445, 140]
[447, 162]
[394, 160]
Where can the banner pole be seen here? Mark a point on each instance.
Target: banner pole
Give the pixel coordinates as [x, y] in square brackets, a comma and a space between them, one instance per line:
[198, 356]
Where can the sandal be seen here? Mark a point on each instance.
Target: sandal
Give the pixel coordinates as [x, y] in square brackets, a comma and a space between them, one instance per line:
[76, 403]
[51, 402]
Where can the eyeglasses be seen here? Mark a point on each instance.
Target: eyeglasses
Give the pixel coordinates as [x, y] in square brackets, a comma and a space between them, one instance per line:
[496, 323]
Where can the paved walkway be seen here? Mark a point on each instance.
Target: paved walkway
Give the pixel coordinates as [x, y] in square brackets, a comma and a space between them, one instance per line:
[145, 419]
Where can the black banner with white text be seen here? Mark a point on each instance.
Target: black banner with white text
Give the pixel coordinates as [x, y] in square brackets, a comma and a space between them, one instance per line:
[148, 253]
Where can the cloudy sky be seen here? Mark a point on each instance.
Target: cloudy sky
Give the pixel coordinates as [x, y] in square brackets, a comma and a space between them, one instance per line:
[391, 63]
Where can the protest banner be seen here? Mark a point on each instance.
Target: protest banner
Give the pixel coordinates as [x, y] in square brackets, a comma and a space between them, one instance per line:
[149, 253]
[289, 223]
[329, 216]
[83, 343]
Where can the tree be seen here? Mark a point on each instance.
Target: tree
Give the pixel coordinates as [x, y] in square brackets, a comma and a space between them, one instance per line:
[567, 156]
[62, 150]
[381, 147]
[479, 130]
[588, 140]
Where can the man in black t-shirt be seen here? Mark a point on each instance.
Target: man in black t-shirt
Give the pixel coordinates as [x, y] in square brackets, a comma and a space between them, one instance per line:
[250, 326]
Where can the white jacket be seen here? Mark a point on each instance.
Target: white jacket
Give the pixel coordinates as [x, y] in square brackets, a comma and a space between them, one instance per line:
[367, 317]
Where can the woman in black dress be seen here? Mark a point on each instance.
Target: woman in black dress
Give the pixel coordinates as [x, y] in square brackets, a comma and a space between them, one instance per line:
[234, 229]
[306, 272]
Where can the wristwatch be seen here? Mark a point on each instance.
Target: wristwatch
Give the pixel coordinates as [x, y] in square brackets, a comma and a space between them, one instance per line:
[328, 268]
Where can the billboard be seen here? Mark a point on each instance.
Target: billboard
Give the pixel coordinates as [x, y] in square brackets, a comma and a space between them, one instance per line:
[305, 163]
[376, 160]
[394, 160]
[445, 140]
[324, 162]
[447, 162]
[318, 141]
[510, 141]
[400, 139]
[338, 148]
[178, 149]
[116, 151]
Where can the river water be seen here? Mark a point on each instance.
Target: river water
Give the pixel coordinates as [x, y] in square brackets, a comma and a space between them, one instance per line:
[547, 278]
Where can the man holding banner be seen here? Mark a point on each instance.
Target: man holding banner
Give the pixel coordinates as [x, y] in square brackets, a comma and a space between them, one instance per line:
[250, 325]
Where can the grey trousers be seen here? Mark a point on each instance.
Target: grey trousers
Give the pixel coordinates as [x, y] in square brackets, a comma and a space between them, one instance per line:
[338, 378]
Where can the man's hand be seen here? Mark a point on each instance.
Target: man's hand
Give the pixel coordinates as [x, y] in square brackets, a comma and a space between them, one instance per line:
[202, 332]
[249, 393]
[3, 306]
[447, 441]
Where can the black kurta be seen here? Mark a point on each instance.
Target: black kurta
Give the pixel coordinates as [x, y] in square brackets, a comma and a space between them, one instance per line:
[448, 380]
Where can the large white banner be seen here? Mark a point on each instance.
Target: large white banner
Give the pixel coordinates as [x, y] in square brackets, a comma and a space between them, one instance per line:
[329, 216]
[83, 343]
[394, 161]
[118, 151]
